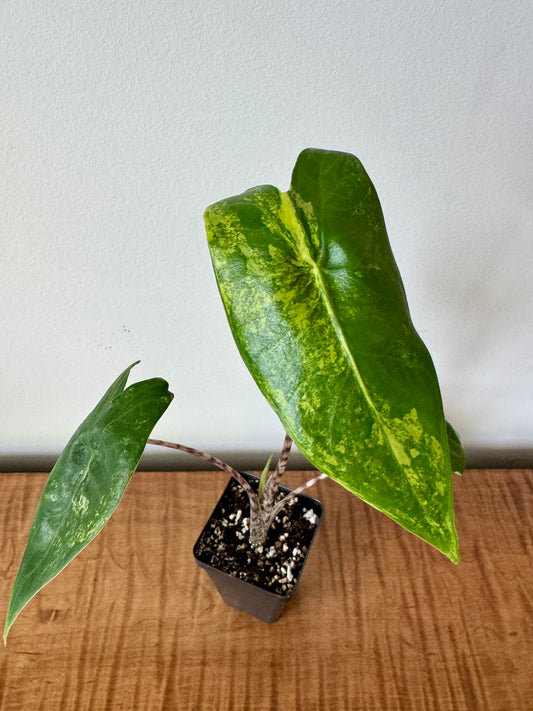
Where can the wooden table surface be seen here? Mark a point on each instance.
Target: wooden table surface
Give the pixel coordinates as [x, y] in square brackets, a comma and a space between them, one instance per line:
[380, 622]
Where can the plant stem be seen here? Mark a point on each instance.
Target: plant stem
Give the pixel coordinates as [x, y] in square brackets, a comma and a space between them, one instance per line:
[212, 460]
[261, 514]
[287, 498]
[257, 522]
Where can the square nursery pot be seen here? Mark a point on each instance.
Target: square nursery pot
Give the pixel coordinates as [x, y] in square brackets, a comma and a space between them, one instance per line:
[258, 582]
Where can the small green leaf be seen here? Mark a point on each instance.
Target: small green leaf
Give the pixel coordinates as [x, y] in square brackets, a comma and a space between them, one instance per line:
[457, 455]
[87, 482]
[264, 478]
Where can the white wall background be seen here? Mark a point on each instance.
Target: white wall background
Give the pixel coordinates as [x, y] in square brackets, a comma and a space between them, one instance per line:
[122, 119]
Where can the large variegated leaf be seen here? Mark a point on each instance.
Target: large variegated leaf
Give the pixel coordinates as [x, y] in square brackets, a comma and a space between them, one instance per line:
[87, 482]
[318, 311]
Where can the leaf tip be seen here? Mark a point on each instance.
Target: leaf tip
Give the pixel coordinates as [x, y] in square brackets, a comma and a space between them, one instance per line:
[452, 552]
[455, 557]
[6, 631]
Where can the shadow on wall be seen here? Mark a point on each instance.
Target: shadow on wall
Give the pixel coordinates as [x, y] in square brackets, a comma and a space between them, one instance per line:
[476, 458]
[509, 458]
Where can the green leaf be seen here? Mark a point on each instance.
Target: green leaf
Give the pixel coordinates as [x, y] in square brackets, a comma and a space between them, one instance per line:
[263, 479]
[87, 482]
[319, 314]
[457, 455]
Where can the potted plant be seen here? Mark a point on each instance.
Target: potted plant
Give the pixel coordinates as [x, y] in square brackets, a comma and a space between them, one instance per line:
[317, 308]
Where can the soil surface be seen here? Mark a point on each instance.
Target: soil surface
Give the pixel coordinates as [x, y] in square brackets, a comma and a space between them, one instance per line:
[275, 566]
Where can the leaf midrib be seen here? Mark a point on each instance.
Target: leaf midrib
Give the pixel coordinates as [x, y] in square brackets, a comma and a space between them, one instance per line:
[326, 300]
[323, 291]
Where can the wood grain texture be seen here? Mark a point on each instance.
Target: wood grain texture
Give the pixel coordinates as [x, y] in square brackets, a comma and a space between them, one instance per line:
[381, 622]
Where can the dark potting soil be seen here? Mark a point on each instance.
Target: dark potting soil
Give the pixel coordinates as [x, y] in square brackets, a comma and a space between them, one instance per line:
[275, 566]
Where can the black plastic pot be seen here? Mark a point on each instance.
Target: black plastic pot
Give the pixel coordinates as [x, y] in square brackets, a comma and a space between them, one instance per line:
[252, 597]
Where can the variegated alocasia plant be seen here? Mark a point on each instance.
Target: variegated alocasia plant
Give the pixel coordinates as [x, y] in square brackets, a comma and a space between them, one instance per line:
[318, 311]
